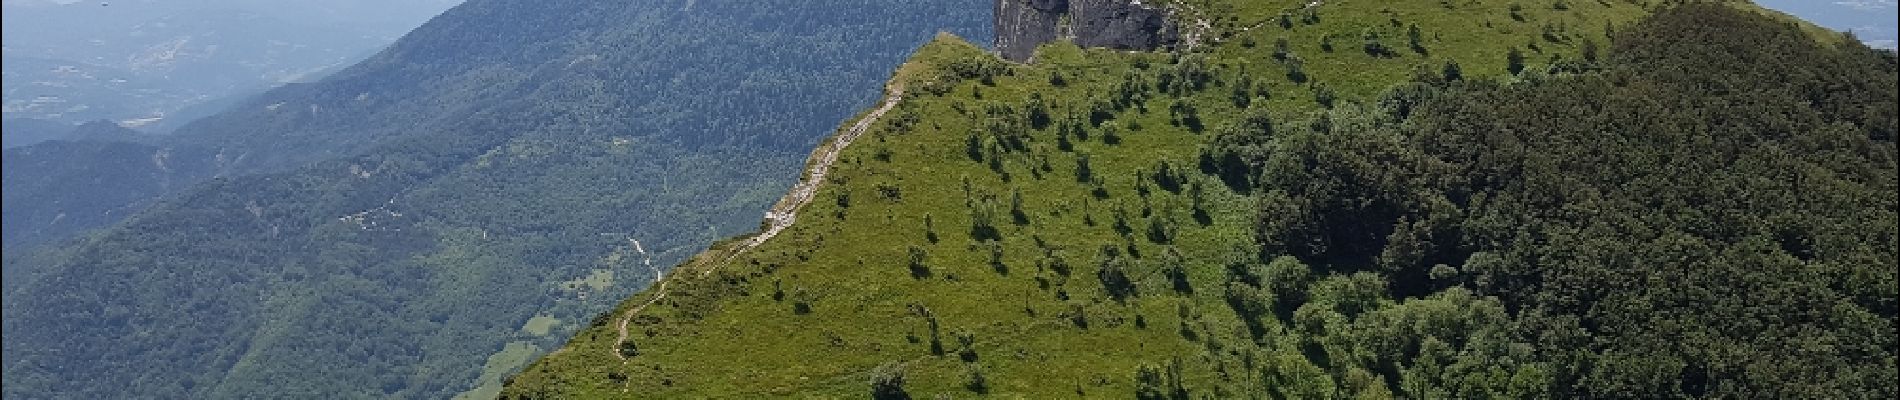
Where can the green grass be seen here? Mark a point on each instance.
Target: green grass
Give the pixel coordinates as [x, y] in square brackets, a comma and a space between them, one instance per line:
[514, 355]
[540, 325]
[726, 336]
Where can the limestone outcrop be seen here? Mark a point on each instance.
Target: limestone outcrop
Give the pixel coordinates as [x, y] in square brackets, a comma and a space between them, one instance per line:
[1021, 25]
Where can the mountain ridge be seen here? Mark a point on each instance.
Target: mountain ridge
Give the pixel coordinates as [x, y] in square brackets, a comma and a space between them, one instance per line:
[1288, 272]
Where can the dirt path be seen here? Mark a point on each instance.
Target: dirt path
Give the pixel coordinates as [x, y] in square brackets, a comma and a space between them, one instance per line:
[781, 216]
[785, 213]
[1204, 29]
[660, 288]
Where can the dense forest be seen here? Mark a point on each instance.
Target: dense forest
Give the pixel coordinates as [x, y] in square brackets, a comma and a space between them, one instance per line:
[421, 224]
[1574, 200]
[1709, 211]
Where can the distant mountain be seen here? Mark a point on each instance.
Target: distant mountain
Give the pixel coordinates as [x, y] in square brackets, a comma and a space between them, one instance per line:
[1872, 21]
[16, 132]
[106, 131]
[82, 177]
[139, 61]
[421, 224]
[76, 178]
[93, 176]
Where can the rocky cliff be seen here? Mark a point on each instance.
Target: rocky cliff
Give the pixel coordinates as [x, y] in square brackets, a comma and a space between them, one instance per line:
[1021, 25]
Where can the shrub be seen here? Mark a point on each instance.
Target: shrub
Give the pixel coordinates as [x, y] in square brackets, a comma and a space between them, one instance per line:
[1324, 95]
[919, 267]
[887, 382]
[1296, 69]
[977, 383]
[1376, 47]
[966, 345]
[1514, 61]
[1453, 73]
[1415, 39]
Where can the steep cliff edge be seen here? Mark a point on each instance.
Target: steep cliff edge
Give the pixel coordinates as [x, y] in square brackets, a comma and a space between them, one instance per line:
[1021, 25]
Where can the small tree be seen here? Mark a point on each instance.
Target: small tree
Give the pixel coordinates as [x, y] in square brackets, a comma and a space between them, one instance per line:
[1121, 222]
[1082, 172]
[1175, 267]
[1186, 115]
[1287, 279]
[978, 383]
[1416, 39]
[1141, 184]
[628, 349]
[1242, 94]
[1590, 50]
[1167, 177]
[1296, 69]
[1114, 274]
[919, 267]
[1374, 46]
[996, 158]
[1197, 201]
[1554, 34]
[1324, 95]
[936, 332]
[1514, 61]
[887, 382]
[1016, 212]
[801, 301]
[1100, 111]
[973, 147]
[996, 258]
[982, 225]
[966, 345]
[930, 228]
[1159, 232]
[1452, 72]
[1058, 265]
[1038, 112]
[1149, 384]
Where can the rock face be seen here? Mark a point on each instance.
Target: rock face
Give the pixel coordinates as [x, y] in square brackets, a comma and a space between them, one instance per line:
[1021, 25]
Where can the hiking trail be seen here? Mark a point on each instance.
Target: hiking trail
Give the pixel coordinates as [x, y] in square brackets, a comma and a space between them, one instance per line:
[781, 216]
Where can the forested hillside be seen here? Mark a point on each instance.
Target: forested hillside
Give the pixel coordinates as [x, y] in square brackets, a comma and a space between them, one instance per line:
[482, 60]
[1475, 199]
[422, 224]
[24, 131]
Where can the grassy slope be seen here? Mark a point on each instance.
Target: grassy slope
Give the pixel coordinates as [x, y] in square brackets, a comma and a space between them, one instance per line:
[726, 335]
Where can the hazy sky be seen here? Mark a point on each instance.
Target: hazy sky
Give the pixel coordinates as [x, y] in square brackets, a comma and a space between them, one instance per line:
[140, 61]
[1872, 20]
